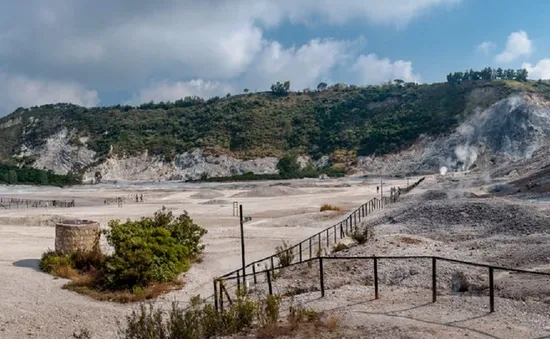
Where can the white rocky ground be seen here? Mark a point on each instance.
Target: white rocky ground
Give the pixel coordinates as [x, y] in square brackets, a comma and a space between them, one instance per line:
[33, 303]
[451, 217]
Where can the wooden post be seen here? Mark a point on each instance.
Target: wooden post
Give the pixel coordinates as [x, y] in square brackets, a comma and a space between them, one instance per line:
[254, 273]
[300, 249]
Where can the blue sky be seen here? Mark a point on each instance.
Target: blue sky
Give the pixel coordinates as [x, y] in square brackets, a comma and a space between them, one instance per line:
[117, 51]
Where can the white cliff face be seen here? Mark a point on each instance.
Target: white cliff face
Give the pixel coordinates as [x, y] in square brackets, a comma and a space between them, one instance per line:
[58, 155]
[510, 130]
[186, 166]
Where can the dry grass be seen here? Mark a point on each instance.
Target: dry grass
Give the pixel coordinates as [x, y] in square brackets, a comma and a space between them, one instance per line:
[327, 207]
[148, 293]
[409, 240]
[332, 322]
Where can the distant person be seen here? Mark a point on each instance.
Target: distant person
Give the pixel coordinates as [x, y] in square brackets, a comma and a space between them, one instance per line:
[141, 197]
[377, 189]
[137, 198]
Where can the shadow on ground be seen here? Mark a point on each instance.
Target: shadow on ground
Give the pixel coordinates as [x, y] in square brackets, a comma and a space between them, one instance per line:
[28, 263]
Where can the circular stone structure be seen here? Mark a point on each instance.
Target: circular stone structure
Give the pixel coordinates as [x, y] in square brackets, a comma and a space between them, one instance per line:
[77, 235]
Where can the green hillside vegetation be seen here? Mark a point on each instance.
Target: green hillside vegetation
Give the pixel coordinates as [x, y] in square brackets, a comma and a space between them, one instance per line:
[331, 120]
[30, 176]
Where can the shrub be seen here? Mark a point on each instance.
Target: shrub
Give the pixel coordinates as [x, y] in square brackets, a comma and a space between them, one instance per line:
[284, 254]
[52, 261]
[361, 236]
[150, 250]
[148, 256]
[327, 207]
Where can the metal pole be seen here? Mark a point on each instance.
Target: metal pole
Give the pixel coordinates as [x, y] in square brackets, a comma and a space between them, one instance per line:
[269, 283]
[254, 273]
[375, 278]
[242, 246]
[434, 279]
[300, 248]
[491, 290]
[322, 277]
[216, 295]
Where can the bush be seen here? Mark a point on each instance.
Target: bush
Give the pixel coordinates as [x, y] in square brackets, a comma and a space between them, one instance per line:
[284, 254]
[327, 207]
[339, 247]
[361, 236]
[149, 254]
[151, 250]
[52, 261]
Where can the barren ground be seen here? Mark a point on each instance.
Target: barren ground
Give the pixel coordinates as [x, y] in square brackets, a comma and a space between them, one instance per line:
[451, 218]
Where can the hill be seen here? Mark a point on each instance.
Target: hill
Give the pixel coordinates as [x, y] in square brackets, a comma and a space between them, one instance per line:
[244, 133]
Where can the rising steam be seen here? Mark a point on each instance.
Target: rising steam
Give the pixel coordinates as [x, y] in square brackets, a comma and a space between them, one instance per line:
[443, 170]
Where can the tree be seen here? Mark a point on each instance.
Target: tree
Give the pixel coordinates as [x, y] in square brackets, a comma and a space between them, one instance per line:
[97, 177]
[228, 95]
[521, 74]
[398, 82]
[322, 86]
[43, 178]
[12, 177]
[245, 90]
[280, 88]
[288, 166]
[500, 73]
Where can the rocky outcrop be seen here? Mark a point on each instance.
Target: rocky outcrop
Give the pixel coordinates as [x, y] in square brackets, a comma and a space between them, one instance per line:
[186, 166]
[59, 155]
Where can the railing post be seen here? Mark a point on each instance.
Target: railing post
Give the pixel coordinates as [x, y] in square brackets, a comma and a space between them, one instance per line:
[310, 248]
[216, 295]
[270, 288]
[342, 234]
[272, 265]
[238, 281]
[491, 291]
[335, 234]
[328, 238]
[300, 249]
[375, 278]
[254, 273]
[319, 242]
[221, 296]
[434, 279]
[322, 277]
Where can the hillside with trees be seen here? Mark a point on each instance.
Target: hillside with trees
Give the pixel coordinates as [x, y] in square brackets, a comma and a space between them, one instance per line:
[328, 120]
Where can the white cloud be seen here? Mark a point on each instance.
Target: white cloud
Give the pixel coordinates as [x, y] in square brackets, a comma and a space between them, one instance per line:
[485, 47]
[517, 45]
[373, 70]
[19, 91]
[539, 71]
[303, 66]
[119, 45]
[171, 91]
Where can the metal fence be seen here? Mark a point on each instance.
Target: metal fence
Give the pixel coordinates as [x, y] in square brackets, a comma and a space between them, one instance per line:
[9, 203]
[268, 276]
[309, 248]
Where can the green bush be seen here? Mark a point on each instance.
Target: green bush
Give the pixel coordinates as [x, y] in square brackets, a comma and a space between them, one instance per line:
[151, 250]
[361, 236]
[52, 261]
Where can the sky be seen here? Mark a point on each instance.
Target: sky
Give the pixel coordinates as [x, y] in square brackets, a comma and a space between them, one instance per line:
[107, 52]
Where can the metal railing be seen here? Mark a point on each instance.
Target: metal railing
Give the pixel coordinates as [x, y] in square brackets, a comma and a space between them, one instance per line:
[221, 290]
[304, 250]
[9, 203]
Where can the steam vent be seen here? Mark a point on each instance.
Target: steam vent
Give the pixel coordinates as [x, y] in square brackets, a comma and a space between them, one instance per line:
[74, 235]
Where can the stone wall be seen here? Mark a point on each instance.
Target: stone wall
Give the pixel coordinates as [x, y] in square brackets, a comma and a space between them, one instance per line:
[77, 235]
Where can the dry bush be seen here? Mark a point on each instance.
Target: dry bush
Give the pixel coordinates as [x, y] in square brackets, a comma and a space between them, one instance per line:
[362, 236]
[332, 322]
[284, 254]
[82, 334]
[339, 247]
[409, 240]
[327, 207]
